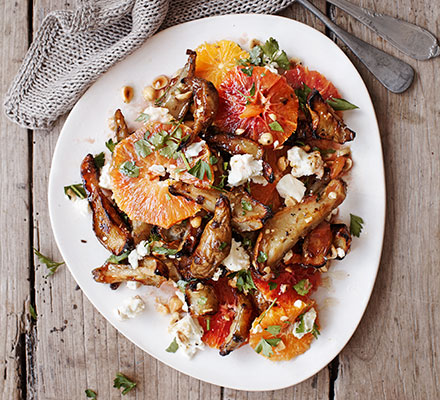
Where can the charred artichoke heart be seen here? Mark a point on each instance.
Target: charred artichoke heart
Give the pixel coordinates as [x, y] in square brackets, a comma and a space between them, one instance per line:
[201, 299]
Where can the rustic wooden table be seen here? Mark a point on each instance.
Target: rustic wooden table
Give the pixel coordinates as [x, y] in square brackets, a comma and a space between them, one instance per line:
[395, 352]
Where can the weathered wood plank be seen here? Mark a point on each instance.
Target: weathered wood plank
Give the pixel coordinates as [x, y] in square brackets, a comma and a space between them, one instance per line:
[16, 330]
[396, 345]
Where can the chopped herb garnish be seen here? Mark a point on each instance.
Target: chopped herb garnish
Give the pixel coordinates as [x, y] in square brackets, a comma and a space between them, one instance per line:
[247, 242]
[117, 259]
[302, 95]
[213, 159]
[315, 331]
[100, 160]
[267, 310]
[129, 168]
[181, 284]
[356, 225]
[252, 91]
[184, 159]
[223, 245]
[264, 346]
[262, 257]
[167, 196]
[244, 282]
[275, 126]
[248, 71]
[164, 250]
[51, 265]
[77, 189]
[340, 104]
[202, 300]
[91, 394]
[110, 145]
[273, 285]
[246, 205]
[142, 148]
[122, 381]
[266, 54]
[273, 329]
[32, 312]
[303, 287]
[200, 169]
[143, 117]
[208, 324]
[172, 348]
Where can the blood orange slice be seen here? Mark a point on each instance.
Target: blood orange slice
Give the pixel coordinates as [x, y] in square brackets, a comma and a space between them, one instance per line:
[138, 174]
[299, 75]
[257, 101]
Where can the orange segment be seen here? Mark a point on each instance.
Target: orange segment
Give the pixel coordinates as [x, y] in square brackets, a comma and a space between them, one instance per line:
[257, 101]
[215, 60]
[145, 197]
[313, 79]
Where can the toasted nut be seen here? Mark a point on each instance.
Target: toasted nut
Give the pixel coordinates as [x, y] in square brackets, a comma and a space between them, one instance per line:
[127, 94]
[196, 222]
[162, 308]
[348, 164]
[306, 147]
[325, 267]
[174, 318]
[273, 117]
[266, 139]
[175, 304]
[254, 42]
[184, 96]
[160, 82]
[282, 163]
[149, 93]
[239, 131]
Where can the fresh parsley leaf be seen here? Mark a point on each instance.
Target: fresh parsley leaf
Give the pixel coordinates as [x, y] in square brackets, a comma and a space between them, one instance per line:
[274, 329]
[303, 287]
[91, 394]
[255, 55]
[32, 312]
[223, 245]
[324, 152]
[181, 284]
[172, 348]
[244, 282]
[315, 331]
[202, 300]
[208, 324]
[273, 285]
[213, 159]
[267, 310]
[129, 168]
[122, 381]
[270, 47]
[77, 189]
[248, 71]
[158, 139]
[100, 160]
[272, 50]
[164, 250]
[117, 259]
[252, 91]
[264, 346]
[51, 265]
[302, 95]
[282, 60]
[170, 149]
[246, 205]
[340, 104]
[142, 148]
[299, 143]
[262, 257]
[200, 169]
[110, 145]
[275, 126]
[247, 242]
[142, 117]
[356, 225]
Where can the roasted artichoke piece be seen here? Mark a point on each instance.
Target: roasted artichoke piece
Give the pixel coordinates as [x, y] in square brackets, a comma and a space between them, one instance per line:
[185, 233]
[341, 239]
[290, 224]
[316, 245]
[178, 95]
[239, 331]
[250, 219]
[326, 123]
[215, 242]
[121, 128]
[110, 228]
[140, 231]
[201, 299]
[150, 271]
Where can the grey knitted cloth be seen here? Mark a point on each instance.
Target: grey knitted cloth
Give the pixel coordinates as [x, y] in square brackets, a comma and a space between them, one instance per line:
[72, 48]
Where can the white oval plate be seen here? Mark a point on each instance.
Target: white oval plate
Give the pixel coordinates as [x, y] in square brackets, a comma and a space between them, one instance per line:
[341, 306]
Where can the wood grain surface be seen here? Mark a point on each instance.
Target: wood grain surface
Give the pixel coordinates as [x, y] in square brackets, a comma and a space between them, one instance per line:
[394, 353]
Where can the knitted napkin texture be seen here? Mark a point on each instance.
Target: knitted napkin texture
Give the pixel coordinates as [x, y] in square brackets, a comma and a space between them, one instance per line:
[72, 48]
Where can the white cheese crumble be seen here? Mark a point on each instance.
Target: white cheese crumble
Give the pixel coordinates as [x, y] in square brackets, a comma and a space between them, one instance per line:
[157, 169]
[81, 205]
[130, 308]
[158, 114]
[290, 187]
[243, 168]
[188, 334]
[105, 180]
[194, 149]
[300, 328]
[305, 164]
[340, 252]
[132, 285]
[137, 254]
[182, 298]
[298, 304]
[237, 259]
[217, 274]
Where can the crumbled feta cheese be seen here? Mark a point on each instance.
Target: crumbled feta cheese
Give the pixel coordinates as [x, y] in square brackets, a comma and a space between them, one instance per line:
[157, 170]
[340, 252]
[130, 308]
[298, 304]
[105, 180]
[182, 298]
[305, 164]
[132, 285]
[243, 168]
[300, 328]
[81, 205]
[158, 114]
[288, 186]
[237, 259]
[217, 274]
[141, 250]
[283, 288]
[188, 334]
[194, 149]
